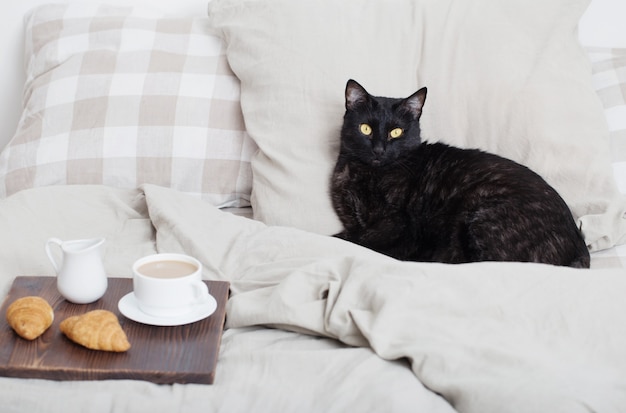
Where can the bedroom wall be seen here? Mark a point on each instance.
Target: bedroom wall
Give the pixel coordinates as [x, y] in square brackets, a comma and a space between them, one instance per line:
[603, 24]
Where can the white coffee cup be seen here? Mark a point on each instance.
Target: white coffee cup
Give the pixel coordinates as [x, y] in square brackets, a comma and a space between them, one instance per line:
[167, 285]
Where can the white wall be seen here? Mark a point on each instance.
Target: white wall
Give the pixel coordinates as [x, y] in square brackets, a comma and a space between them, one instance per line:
[604, 24]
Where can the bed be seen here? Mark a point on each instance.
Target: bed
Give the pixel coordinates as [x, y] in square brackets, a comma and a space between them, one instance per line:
[167, 128]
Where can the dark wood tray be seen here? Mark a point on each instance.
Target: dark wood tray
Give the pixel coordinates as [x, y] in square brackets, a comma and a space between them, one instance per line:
[180, 354]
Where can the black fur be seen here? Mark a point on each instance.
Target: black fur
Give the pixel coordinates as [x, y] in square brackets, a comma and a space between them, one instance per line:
[434, 202]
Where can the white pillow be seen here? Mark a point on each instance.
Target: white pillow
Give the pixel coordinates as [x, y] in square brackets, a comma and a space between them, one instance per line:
[123, 96]
[505, 76]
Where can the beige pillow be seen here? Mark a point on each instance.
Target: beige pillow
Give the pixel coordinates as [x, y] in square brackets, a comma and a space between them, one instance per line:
[505, 76]
[123, 96]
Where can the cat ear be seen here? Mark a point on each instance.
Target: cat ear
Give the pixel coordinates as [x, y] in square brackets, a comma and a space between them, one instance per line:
[414, 103]
[356, 95]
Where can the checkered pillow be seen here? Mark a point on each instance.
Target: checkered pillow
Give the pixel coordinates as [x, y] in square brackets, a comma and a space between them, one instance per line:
[609, 79]
[124, 96]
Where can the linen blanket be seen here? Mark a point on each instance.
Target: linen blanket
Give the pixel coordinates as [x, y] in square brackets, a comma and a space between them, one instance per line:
[350, 330]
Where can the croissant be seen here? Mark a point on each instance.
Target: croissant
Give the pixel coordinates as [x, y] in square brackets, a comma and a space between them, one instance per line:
[96, 330]
[30, 316]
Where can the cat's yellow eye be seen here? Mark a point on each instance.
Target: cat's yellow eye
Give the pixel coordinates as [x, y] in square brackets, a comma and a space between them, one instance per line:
[396, 133]
[365, 129]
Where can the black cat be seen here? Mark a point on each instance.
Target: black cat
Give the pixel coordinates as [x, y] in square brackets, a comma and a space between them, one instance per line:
[434, 202]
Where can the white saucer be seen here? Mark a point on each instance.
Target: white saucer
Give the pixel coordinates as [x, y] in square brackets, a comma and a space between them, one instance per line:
[129, 307]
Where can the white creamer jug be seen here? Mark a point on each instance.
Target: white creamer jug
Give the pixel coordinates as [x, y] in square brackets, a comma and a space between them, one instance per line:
[81, 278]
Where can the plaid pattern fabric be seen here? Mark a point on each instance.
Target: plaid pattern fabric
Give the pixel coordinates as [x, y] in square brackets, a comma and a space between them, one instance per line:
[609, 79]
[123, 96]
[610, 258]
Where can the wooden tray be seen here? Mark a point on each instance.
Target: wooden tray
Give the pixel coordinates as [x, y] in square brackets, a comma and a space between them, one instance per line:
[180, 354]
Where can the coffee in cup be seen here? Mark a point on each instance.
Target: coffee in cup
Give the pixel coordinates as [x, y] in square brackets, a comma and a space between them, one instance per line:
[168, 285]
[167, 268]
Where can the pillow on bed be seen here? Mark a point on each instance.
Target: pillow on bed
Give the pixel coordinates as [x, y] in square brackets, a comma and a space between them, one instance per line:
[505, 76]
[124, 96]
[609, 79]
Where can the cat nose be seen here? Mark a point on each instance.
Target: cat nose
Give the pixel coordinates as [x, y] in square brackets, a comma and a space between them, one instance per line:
[378, 150]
